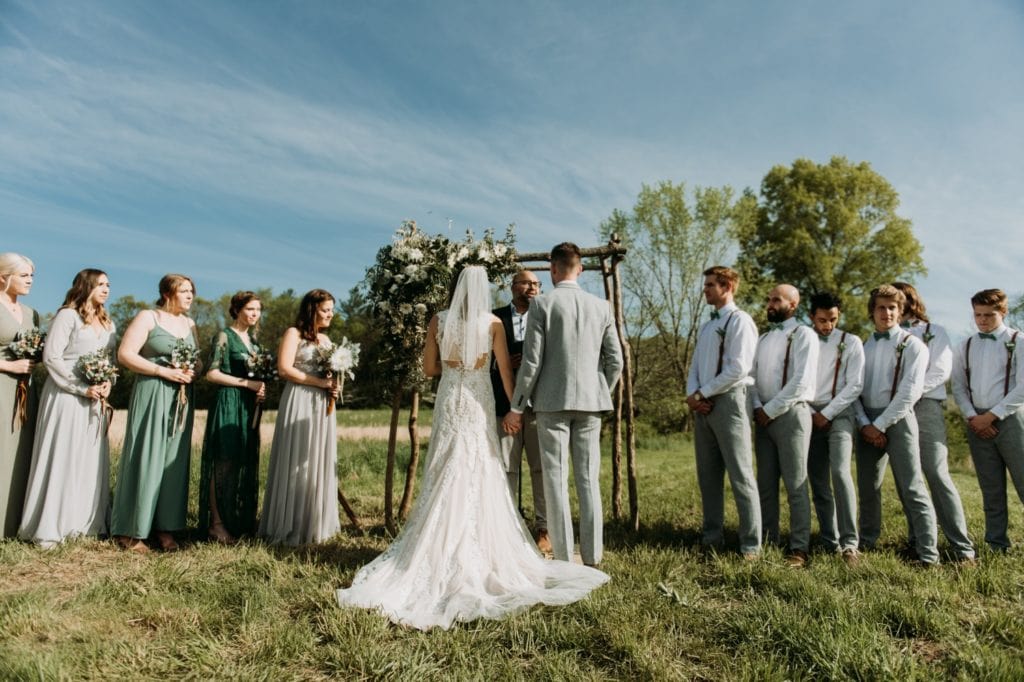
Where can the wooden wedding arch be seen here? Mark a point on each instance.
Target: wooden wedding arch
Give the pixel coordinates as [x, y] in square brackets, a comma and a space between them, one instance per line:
[608, 258]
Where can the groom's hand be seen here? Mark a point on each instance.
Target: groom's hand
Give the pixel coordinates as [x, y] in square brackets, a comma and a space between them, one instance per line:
[512, 422]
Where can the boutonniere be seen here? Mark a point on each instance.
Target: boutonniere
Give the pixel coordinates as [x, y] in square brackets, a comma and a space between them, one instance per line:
[721, 332]
[1010, 346]
[902, 347]
[927, 337]
[841, 347]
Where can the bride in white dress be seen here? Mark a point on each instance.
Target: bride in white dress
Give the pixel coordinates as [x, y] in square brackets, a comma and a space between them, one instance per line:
[464, 552]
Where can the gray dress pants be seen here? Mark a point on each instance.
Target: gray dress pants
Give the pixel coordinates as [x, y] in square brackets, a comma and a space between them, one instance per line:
[782, 453]
[992, 459]
[829, 470]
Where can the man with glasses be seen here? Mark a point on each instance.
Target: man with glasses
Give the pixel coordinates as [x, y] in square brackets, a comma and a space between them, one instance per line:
[525, 286]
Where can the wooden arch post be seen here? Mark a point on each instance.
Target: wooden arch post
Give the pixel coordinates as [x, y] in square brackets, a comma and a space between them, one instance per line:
[609, 256]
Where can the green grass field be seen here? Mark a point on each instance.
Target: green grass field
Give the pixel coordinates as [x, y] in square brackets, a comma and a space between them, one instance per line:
[89, 611]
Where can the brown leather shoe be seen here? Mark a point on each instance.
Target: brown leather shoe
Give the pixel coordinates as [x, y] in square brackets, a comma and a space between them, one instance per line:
[167, 541]
[851, 557]
[797, 559]
[544, 542]
[751, 556]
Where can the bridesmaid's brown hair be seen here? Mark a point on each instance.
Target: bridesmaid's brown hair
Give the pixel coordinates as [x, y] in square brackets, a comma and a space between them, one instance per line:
[305, 321]
[78, 296]
[169, 285]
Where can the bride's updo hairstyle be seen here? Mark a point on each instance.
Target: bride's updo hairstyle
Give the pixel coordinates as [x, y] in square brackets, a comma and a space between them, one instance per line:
[10, 263]
[169, 285]
[305, 321]
[78, 296]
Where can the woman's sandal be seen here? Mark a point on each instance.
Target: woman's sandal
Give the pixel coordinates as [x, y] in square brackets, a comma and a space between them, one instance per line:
[167, 542]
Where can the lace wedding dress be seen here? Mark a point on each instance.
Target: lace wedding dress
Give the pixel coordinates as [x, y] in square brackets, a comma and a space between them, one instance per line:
[464, 552]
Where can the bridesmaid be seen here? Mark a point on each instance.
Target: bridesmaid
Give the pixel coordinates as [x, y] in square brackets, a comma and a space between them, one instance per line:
[301, 502]
[69, 486]
[229, 486]
[16, 273]
[152, 482]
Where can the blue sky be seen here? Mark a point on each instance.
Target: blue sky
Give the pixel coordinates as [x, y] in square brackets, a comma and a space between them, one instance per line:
[280, 144]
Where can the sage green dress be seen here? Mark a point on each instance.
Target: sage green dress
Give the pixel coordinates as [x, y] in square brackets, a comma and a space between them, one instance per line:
[152, 481]
[231, 447]
[15, 438]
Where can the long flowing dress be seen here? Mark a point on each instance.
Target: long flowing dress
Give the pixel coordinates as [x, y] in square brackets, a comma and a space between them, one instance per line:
[152, 480]
[15, 437]
[301, 502]
[231, 447]
[69, 485]
[464, 552]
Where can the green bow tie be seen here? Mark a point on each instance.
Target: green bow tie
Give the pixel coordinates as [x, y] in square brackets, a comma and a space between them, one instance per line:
[824, 339]
[985, 335]
[906, 324]
[774, 326]
[715, 314]
[881, 335]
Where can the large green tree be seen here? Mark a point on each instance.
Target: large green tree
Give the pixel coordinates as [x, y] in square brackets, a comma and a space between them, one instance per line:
[672, 236]
[827, 227]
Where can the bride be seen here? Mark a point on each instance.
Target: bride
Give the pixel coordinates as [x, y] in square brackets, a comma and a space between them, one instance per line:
[464, 552]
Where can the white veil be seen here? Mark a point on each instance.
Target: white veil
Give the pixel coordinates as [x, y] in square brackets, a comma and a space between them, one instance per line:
[466, 328]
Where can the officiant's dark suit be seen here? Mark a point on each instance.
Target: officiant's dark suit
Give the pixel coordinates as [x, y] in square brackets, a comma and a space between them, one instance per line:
[525, 286]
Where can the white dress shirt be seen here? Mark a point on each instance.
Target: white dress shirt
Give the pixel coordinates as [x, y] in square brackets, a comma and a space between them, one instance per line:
[740, 336]
[988, 375]
[850, 381]
[519, 320]
[770, 360]
[880, 357]
[940, 357]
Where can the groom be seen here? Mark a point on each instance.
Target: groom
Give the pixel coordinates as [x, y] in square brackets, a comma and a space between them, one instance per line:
[571, 359]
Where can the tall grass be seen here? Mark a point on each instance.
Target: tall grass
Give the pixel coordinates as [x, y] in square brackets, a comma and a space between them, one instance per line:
[89, 611]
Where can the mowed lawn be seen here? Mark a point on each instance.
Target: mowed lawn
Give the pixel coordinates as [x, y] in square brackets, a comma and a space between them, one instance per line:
[89, 611]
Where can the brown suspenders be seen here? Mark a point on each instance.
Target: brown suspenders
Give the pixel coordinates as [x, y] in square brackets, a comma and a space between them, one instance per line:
[1009, 365]
[839, 363]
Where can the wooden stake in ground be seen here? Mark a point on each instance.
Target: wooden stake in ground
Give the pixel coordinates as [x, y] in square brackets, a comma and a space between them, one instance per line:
[389, 471]
[414, 457]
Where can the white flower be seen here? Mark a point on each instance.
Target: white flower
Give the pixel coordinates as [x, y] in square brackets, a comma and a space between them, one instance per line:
[421, 308]
[462, 254]
[411, 271]
[405, 308]
[384, 306]
[483, 253]
[500, 250]
[415, 255]
[394, 288]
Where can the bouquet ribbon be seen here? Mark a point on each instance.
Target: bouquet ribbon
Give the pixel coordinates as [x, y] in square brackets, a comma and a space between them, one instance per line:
[257, 414]
[330, 398]
[20, 415]
[181, 409]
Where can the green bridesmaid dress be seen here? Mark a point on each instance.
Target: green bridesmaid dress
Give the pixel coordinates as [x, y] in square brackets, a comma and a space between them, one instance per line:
[152, 482]
[15, 437]
[231, 448]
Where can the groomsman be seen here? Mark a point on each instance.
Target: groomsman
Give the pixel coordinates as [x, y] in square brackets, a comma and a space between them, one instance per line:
[571, 359]
[840, 378]
[895, 362]
[931, 425]
[784, 371]
[525, 286]
[717, 385]
[988, 384]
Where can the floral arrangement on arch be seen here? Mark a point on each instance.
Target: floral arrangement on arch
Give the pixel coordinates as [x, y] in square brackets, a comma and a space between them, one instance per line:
[410, 281]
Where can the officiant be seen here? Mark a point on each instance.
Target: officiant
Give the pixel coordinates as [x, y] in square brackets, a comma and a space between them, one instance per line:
[525, 286]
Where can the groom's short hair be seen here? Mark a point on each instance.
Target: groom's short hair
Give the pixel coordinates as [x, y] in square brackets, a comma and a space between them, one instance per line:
[566, 257]
[724, 276]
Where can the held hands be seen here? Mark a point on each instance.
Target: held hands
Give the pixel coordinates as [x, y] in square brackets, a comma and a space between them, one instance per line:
[175, 375]
[983, 425]
[761, 417]
[873, 436]
[99, 391]
[516, 359]
[259, 388]
[512, 423]
[23, 366]
[820, 422]
[700, 405]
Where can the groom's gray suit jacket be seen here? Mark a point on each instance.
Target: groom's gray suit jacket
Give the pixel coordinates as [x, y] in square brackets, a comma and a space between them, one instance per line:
[571, 353]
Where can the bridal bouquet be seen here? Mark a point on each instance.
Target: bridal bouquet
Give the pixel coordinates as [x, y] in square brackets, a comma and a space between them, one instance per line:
[335, 361]
[262, 366]
[184, 356]
[98, 368]
[27, 345]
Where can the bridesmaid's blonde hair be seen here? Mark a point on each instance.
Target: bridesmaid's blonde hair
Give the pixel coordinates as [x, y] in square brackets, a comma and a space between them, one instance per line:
[10, 263]
[169, 285]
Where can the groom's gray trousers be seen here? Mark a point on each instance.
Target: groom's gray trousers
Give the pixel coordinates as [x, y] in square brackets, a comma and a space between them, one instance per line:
[722, 444]
[576, 435]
